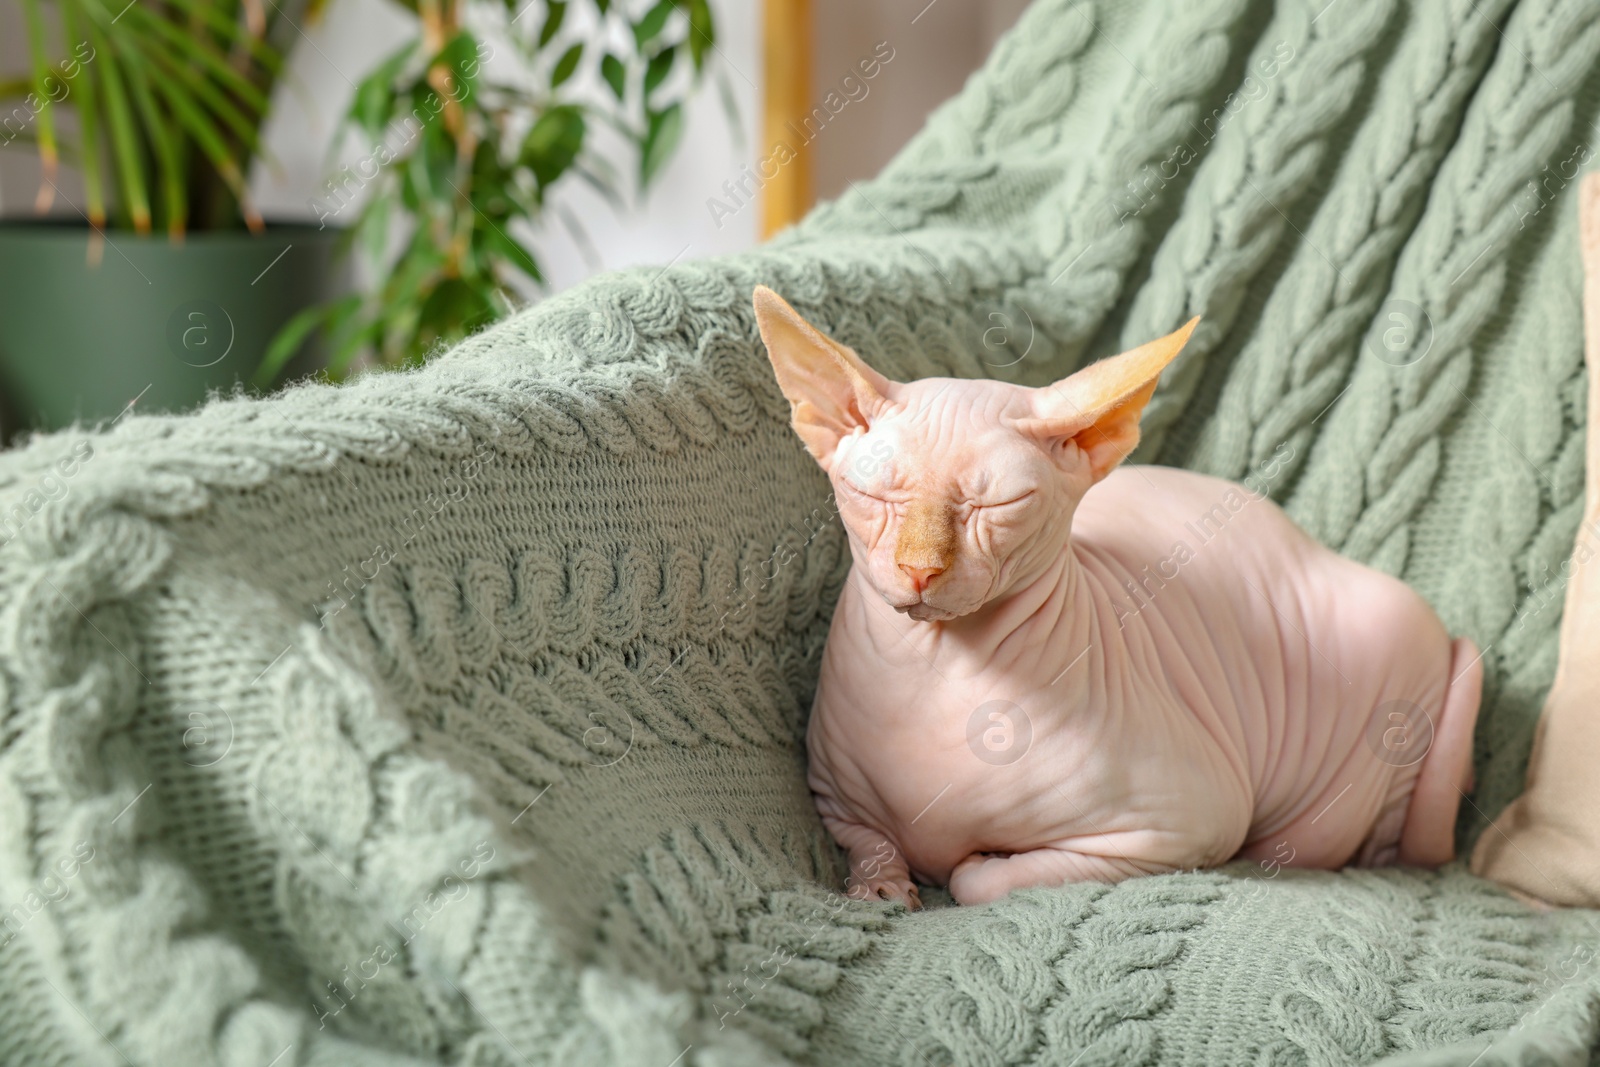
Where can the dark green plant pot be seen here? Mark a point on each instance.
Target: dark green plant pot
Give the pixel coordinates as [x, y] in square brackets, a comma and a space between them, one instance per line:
[163, 322]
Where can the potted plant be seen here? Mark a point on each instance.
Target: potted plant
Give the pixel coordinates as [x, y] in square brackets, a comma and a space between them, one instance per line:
[463, 133]
[162, 281]
[168, 283]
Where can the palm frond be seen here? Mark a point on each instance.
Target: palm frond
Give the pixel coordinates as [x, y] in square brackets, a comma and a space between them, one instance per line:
[44, 120]
[173, 184]
[124, 138]
[88, 110]
[189, 48]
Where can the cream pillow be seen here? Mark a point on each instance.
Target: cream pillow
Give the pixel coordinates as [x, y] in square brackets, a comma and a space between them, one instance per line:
[1546, 843]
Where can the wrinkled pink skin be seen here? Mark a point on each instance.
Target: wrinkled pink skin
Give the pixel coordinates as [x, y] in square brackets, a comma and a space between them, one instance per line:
[1221, 708]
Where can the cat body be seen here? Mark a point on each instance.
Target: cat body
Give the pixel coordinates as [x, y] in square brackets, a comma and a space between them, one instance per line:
[1043, 669]
[1085, 730]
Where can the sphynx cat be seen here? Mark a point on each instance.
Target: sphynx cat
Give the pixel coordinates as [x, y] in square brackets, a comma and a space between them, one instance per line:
[1044, 668]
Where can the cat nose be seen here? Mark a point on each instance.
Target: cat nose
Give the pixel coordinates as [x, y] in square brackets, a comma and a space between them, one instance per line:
[921, 576]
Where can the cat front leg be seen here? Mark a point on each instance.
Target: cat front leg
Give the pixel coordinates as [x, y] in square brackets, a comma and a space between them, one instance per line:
[878, 869]
[986, 876]
[881, 875]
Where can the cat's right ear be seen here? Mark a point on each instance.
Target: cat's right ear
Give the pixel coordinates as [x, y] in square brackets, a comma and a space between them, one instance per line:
[831, 392]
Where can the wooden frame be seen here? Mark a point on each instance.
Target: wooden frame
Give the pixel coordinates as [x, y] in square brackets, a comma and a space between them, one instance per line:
[783, 165]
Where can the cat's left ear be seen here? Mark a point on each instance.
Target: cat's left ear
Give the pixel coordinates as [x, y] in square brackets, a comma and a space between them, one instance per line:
[1098, 407]
[831, 392]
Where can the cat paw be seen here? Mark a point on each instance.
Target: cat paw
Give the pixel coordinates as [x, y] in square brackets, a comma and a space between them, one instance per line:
[967, 885]
[885, 887]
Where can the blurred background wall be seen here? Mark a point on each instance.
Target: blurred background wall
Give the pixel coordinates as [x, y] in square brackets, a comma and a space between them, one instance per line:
[934, 47]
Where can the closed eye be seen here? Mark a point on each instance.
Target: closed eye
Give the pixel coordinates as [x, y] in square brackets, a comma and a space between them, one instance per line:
[1004, 503]
[856, 492]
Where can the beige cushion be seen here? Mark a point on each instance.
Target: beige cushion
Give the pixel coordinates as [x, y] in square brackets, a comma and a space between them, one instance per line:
[1546, 844]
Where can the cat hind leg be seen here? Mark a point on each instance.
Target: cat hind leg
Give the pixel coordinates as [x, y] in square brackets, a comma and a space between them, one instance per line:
[1428, 837]
[986, 876]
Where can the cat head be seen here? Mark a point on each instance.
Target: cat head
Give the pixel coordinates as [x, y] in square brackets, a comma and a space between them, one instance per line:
[956, 492]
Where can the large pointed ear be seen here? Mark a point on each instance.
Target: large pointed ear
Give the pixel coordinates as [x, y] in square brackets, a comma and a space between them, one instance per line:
[1099, 406]
[831, 392]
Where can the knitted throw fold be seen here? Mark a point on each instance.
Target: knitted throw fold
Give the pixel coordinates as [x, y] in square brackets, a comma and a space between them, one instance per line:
[455, 716]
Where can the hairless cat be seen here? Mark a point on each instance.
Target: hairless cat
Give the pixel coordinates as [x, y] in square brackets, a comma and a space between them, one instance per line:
[1046, 668]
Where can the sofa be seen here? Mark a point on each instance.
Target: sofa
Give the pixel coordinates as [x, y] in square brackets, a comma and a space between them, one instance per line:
[456, 715]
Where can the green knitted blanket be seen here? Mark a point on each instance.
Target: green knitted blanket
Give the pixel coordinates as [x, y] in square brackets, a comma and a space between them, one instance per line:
[455, 716]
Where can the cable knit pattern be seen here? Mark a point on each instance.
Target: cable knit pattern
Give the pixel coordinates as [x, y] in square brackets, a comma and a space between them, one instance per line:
[1089, 246]
[1456, 265]
[456, 716]
[1318, 311]
[1304, 77]
[1025, 90]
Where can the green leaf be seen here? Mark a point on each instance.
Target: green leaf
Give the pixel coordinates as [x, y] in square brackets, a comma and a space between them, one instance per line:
[438, 162]
[660, 66]
[702, 31]
[88, 111]
[615, 74]
[661, 139]
[201, 127]
[375, 96]
[460, 57]
[413, 274]
[124, 139]
[195, 51]
[231, 29]
[500, 245]
[649, 28]
[553, 143]
[347, 332]
[566, 65]
[373, 229]
[44, 119]
[411, 192]
[373, 104]
[161, 135]
[486, 167]
[555, 13]
[452, 310]
[244, 127]
[287, 341]
[604, 6]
